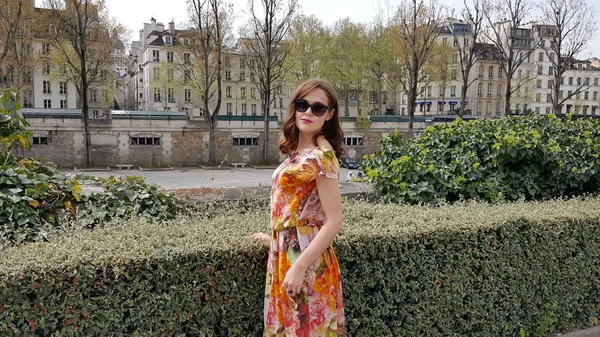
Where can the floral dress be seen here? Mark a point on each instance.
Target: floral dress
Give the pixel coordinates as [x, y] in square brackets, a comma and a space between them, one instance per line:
[296, 218]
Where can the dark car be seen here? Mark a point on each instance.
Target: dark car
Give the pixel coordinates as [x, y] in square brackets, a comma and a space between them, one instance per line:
[349, 163]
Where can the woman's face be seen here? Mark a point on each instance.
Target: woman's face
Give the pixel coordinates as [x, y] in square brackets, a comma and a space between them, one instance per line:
[307, 122]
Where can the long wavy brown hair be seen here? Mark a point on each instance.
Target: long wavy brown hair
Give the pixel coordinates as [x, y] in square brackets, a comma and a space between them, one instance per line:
[332, 129]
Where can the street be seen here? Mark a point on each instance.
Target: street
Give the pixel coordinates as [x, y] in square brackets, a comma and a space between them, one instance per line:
[190, 177]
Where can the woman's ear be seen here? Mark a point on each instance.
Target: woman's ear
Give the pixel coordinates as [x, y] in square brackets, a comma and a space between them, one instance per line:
[330, 114]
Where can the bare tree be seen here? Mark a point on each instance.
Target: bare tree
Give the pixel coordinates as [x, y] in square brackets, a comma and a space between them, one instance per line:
[210, 25]
[415, 33]
[267, 49]
[81, 37]
[514, 42]
[569, 25]
[466, 37]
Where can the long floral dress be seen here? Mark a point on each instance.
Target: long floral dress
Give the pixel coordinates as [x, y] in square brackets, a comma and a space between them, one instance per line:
[296, 218]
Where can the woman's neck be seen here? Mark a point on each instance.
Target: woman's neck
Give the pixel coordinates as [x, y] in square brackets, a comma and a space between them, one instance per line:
[304, 142]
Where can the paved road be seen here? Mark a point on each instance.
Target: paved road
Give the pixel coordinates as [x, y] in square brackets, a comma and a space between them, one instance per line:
[196, 177]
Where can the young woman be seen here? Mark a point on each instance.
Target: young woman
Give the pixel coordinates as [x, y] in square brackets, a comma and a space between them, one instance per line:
[304, 291]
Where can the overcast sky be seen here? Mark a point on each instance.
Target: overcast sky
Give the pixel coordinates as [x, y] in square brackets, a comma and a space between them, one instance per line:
[134, 13]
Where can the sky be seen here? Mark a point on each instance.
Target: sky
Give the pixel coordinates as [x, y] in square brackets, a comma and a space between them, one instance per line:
[134, 13]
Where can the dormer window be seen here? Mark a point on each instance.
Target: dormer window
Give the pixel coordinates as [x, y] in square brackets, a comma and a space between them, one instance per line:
[168, 40]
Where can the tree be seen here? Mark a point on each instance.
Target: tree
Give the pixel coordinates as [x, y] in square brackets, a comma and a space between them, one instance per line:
[16, 61]
[379, 54]
[207, 36]
[165, 84]
[569, 25]
[345, 60]
[267, 49]
[441, 67]
[79, 31]
[308, 45]
[473, 17]
[514, 43]
[415, 34]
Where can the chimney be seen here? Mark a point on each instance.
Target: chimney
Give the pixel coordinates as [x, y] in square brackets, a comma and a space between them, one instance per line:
[153, 22]
[172, 28]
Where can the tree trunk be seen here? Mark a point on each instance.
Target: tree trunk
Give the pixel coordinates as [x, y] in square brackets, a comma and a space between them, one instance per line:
[86, 116]
[212, 148]
[380, 108]
[507, 98]
[463, 98]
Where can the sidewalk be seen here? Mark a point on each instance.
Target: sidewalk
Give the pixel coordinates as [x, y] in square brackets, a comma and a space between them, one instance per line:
[590, 332]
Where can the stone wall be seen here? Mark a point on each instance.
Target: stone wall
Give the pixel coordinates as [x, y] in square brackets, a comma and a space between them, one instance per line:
[182, 142]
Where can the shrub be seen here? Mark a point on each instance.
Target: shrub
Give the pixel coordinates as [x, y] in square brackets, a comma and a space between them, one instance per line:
[533, 157]
[460, 270]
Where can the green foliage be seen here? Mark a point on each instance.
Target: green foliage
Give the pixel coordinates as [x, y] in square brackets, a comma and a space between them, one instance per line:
[12, 125]
[530, 157]
[459, 270]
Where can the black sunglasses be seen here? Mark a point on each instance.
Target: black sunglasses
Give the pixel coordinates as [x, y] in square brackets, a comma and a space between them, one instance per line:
[318, 109]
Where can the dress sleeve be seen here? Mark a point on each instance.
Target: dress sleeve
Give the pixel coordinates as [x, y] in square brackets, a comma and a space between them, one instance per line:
[327, 163]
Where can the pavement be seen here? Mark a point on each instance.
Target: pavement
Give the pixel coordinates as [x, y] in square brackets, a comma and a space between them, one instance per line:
[590, 332]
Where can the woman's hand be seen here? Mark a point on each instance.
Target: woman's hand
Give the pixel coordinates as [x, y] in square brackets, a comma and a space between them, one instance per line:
[294, 279]
[262, 237]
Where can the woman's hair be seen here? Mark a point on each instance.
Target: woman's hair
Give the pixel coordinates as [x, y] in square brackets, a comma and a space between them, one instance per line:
[332, 129]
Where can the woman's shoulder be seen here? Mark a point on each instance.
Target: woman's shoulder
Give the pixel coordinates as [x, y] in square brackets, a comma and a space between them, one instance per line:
[323, 145]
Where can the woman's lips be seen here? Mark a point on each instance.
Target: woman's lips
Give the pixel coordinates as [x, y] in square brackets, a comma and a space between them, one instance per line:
[307, 121]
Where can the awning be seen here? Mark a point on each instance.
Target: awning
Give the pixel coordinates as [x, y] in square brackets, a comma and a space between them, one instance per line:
[421, 103]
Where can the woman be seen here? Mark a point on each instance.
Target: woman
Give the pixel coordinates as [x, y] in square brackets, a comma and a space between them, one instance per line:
[304, 290]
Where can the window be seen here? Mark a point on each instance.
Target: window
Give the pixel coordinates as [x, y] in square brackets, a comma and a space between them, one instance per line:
[478, 108]
[481, 71]
[156, 74]
[280, 102]
[253, 109]
[454, 74]
[454, 57]
[186, 76]
[541, 56]
[500, 73]
[228, 91]
[229, 107]
[186, 58]
[497, 108]
[353, 140]
[62, 88]
[538, 97]
[187, 93]
[93, 96]
[549, 98]
[46, 68]
[499, 91]
[46, 87]
[487, 107]
[540, 70]
[63, 103]
[519, 73]
[252, 92]
[245, 141]
[242, 63]
[45, 48]
[445, 41]
[586, 95]
[105, 96]
[490, 90]
[596, 82]
[538, 83]
[170, 95]
[243, 92]
[170, 56]
[228, 75]
[103, 75]
[243, 76]
[244, 105]
[491, 72]
[156, 95]
[39, 140]
[441, 91]
[578, 80]
[48, 103]
[550, 70]
[170, 74]
[27, 99]
[156, 56]
[147, 141]
[594, 95]
[480, 89]
[570, 80]
[453, 91]
[586, 81]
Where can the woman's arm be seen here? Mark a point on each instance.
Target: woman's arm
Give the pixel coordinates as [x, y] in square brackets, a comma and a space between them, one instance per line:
[331, 201]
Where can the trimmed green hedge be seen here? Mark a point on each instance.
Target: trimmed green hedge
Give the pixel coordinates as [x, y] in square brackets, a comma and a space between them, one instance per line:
[461, 270]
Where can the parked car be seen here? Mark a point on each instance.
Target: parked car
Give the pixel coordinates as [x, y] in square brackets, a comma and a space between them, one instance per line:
[349, 163]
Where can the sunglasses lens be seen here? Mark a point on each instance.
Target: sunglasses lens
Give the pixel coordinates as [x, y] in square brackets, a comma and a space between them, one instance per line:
[301, 106]
[319, 109]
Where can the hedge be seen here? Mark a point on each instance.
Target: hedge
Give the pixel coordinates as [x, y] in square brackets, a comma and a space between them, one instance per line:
[463, 270]
[536, 157]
